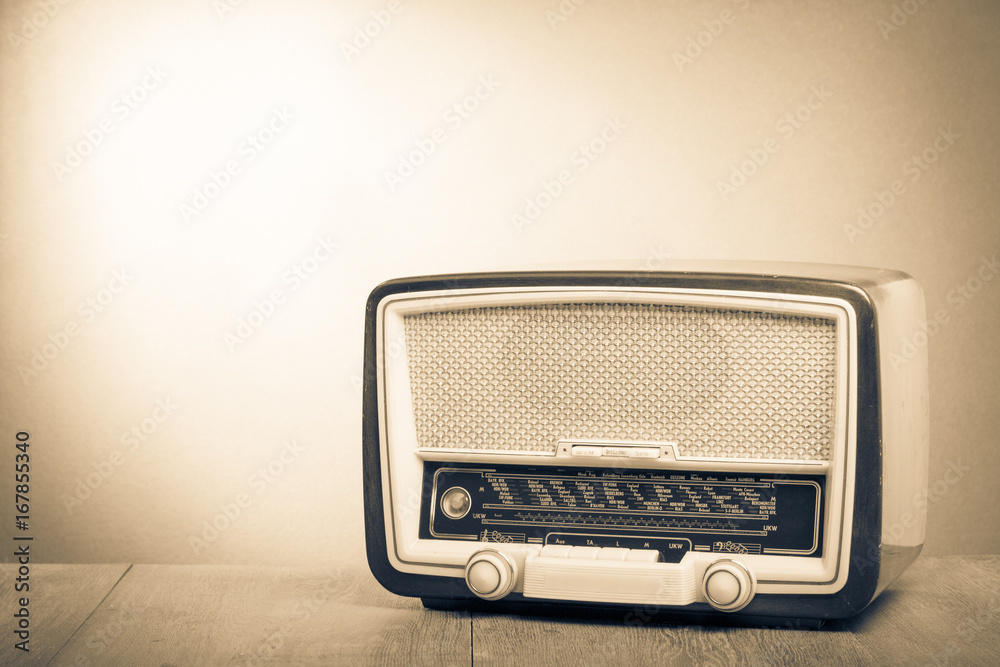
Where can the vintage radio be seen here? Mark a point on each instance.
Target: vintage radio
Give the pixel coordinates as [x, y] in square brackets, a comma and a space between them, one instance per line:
[739, 439]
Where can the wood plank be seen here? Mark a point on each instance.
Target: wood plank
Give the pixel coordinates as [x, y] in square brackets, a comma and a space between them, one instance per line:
[503, 639]
[940, 611]
[61, 597]
[253, 615]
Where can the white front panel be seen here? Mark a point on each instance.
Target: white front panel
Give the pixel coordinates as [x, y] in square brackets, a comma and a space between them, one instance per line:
[784, 349]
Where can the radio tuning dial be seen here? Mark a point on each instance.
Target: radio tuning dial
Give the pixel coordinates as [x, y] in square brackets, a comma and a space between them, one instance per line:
[490, 574]
[728, 585]
[455, 502]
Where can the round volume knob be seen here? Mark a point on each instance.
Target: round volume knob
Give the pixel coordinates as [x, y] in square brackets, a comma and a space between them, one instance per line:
[728, 585]
[490, 574]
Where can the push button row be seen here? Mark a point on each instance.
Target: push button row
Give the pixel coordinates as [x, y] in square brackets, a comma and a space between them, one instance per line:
[600, 553]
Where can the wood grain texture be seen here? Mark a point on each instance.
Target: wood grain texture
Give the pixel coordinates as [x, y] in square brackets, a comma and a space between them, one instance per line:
[61, 598]
[503, 640]
[940, 611]
[246, 615]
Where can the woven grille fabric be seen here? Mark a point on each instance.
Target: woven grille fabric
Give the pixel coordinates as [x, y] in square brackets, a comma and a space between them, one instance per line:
[718, 382]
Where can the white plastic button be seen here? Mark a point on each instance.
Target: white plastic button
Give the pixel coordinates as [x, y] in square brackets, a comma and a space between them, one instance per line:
[723, 588]
[484, 577]
[555, 551]
[728, 585]
[586, 553]
[586, 450]
[644, 452]
[616, 451]
[490, 574]
[643, 555]
[612, 553]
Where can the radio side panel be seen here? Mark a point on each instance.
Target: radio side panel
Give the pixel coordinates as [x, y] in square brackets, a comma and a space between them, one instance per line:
[900, 309]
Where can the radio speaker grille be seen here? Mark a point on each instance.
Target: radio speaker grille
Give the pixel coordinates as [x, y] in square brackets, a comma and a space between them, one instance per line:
[719, 382]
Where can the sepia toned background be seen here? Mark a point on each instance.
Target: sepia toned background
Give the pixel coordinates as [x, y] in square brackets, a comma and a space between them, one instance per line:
[197, 197]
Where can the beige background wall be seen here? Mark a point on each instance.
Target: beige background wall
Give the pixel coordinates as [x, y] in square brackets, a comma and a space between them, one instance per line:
[115, 116]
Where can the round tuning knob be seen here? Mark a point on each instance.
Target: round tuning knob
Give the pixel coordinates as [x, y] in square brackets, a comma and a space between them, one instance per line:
[490, 574]
[728, 585]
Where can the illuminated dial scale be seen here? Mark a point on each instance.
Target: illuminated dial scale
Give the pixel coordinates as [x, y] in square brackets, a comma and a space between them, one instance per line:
[739, 513]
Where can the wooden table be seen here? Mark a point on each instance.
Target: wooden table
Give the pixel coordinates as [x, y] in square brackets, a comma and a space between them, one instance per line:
[941, 611]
